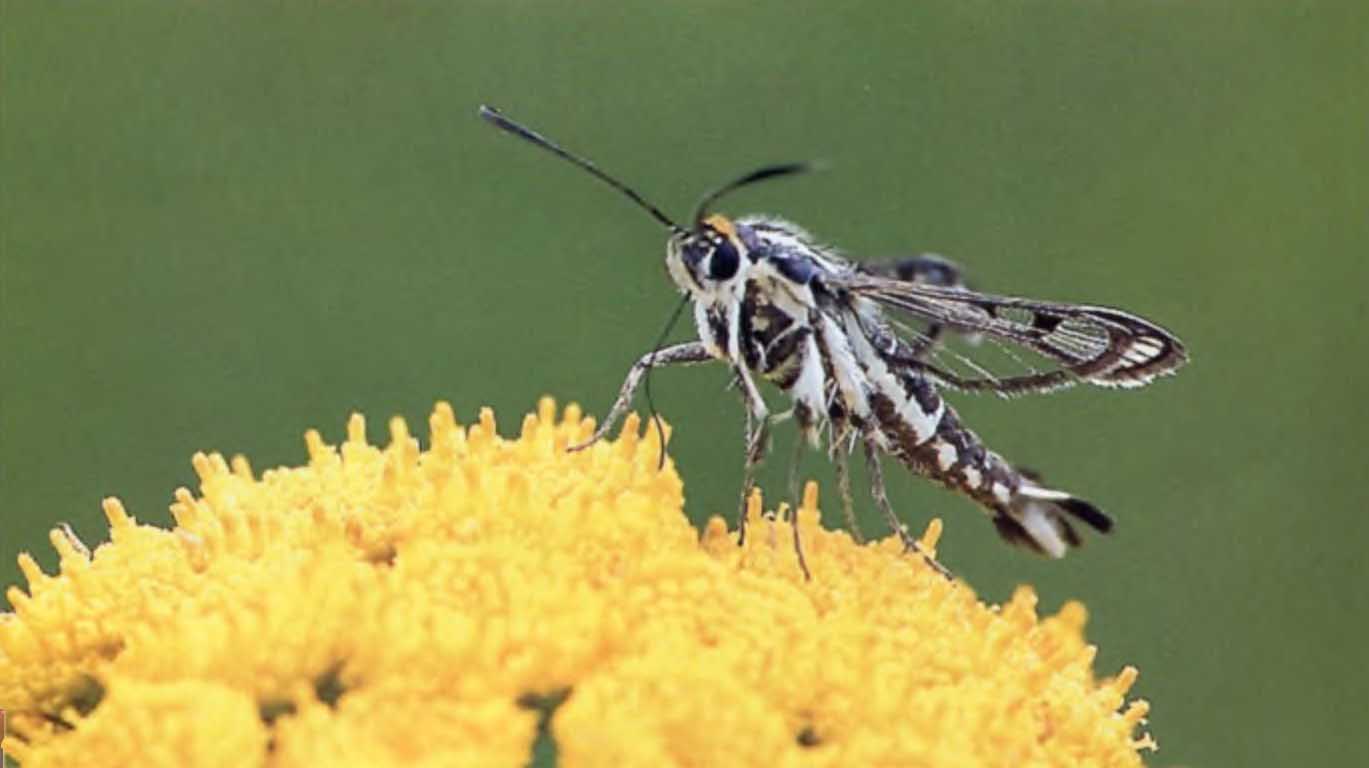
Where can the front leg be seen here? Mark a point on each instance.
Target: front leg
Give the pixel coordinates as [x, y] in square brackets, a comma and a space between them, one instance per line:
[689, 353]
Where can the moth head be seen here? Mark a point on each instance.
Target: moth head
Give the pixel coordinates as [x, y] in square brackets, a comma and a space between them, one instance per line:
[709, 255]
[712, 254]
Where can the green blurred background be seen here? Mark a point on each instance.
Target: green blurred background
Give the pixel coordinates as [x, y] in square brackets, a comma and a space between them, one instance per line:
[226, 222]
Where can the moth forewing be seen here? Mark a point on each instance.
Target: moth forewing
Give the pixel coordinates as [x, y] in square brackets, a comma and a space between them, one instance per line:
[1100, 345]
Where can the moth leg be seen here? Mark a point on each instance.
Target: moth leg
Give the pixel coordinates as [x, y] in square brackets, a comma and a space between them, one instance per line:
[758, 420]
[798, 543]
[841, 462]
[840, 444]
[792, 482]
[748, 476]
[795, 502]
[880, 496]
[689, 353]
[882, 501]
[757, 446]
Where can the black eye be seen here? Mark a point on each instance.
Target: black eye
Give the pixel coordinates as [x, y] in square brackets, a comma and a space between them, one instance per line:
[725, 261]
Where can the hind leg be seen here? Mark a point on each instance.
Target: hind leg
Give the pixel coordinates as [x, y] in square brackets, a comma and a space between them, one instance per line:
[881, 498]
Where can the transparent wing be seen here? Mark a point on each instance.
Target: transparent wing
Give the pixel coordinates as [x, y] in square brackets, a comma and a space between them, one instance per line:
[924, 269]
[1068, 342]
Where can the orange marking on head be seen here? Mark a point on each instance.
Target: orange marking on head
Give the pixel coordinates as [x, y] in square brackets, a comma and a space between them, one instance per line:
[723, 225]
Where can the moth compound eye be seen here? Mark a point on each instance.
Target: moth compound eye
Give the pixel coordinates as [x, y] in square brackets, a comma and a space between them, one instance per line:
[725, 261]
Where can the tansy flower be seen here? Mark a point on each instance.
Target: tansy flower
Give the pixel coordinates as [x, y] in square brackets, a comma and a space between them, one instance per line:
[444, 606]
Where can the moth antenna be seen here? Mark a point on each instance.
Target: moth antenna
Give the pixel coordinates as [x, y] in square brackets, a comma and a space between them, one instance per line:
[651, 364]
[760, 174]
[497, 118]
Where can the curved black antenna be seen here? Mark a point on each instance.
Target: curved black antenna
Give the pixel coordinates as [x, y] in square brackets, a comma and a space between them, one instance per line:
[760, 174]
[497, 118]
[651, 363]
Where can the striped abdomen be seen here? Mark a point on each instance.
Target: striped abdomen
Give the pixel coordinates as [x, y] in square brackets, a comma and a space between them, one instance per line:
[925, 433]
[1023, 512]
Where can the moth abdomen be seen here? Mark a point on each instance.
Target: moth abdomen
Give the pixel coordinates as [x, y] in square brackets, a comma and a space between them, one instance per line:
[1023, 512]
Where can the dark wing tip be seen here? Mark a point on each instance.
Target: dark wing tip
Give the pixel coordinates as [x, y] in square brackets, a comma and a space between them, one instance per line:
[1140, 351]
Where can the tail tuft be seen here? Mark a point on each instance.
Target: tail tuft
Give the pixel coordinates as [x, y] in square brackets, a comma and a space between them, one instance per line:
[1096, 518]
[1036, 519]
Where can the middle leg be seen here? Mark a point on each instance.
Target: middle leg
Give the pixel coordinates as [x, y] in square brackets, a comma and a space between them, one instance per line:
[796, 503]
[757, 447]
[841, 462]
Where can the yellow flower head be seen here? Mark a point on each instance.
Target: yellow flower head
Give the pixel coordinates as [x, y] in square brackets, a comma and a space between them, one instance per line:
[402, 606]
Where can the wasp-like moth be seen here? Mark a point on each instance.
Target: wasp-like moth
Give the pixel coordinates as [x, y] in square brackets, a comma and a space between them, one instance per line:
[859, 351]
